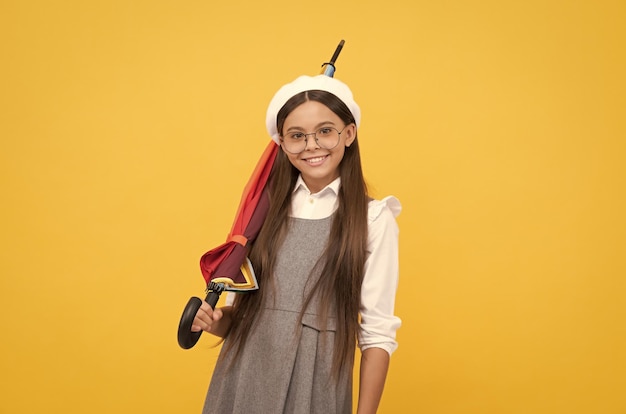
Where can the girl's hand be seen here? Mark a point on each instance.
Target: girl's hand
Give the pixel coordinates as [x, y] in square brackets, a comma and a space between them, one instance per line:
[207, 319]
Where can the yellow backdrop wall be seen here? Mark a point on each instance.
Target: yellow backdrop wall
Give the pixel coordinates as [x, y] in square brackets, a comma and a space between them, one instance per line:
[128, 130]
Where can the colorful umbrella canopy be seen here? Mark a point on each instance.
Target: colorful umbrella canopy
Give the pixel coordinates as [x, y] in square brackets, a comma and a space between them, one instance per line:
[223, 264]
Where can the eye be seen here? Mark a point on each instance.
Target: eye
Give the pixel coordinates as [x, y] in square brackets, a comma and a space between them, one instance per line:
[324, 132]
[296, 136]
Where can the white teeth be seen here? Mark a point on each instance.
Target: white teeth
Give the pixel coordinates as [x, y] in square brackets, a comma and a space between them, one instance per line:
[314, 160]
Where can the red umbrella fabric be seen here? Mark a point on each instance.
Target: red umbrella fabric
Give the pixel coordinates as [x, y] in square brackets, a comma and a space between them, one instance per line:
[223, 264]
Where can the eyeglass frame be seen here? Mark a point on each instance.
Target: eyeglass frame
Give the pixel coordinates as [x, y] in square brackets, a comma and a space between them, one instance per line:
[306, 139]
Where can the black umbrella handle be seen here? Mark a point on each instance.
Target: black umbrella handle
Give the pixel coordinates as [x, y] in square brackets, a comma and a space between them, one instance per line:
[186, 338]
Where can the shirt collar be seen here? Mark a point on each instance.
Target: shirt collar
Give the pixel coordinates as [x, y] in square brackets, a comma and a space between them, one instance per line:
[332, 187]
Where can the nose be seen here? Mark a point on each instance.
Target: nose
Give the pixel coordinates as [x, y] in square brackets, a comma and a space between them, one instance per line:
[311, 142]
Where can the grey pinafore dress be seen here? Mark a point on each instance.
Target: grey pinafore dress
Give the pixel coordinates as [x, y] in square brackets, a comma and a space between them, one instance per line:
[285, 365]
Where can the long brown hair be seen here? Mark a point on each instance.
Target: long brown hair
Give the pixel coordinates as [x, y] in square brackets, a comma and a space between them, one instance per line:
[339, 286]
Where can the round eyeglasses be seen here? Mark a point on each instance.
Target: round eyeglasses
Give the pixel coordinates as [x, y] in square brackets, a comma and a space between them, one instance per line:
[326, 137]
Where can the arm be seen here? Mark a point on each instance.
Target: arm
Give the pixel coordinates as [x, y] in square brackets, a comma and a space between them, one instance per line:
[374, 366]
[216, 322]
[377, 332]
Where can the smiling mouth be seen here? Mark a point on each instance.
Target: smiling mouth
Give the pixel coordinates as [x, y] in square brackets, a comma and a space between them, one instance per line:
[316, 160]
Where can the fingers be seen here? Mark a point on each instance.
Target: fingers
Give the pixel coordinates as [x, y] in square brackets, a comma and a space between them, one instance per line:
[217, 314]
[205, 318]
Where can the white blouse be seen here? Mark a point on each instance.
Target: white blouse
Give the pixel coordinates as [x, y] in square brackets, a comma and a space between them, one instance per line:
[378, 323]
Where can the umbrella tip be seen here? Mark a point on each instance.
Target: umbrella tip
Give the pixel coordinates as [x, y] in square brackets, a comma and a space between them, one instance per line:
[328, 68]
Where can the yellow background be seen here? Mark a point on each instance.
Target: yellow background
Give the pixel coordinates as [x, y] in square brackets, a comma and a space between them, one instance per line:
[128, 129]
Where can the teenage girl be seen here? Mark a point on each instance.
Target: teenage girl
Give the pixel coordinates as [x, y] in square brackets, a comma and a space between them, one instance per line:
[326, 260]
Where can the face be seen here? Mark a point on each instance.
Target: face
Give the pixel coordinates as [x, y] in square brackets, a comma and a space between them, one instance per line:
[318, 166]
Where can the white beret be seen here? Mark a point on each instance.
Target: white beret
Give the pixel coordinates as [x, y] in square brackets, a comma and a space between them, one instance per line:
[307, 83]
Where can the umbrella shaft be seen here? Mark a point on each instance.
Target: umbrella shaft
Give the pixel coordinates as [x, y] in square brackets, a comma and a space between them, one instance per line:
[212, 298]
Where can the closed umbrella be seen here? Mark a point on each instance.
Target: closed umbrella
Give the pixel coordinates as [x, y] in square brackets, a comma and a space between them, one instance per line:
[226, 267]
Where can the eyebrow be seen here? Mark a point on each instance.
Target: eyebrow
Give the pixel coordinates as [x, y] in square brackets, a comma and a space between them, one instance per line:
[321, 124]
